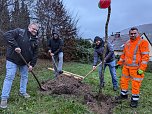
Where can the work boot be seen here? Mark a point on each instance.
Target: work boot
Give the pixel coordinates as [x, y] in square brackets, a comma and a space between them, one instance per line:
[3, 103]
[121, 97]
[25, 95]
[134, 103]
[60, 72]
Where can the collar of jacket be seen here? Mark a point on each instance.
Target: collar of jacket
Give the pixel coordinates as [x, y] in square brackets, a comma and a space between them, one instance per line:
[56, 39]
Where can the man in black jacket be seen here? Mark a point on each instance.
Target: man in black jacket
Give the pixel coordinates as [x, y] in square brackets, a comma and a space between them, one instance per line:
[108, 60]
[22, 41]
[55, 45]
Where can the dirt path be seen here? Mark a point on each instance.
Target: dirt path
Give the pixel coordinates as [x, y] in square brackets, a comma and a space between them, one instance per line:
[65, 85]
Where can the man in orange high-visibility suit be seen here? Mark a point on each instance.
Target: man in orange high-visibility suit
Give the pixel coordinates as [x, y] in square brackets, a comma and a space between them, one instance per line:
[134, 61]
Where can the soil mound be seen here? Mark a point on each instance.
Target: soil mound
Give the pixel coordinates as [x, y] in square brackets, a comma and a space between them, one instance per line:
[68, 85]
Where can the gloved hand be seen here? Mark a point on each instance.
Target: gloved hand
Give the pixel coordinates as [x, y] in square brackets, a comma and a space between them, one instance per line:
[140, 71]
[117, 66]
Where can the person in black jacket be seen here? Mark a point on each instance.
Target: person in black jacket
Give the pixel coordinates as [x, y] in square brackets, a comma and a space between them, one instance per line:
[22, 41]
[108, 60]
[55, 45]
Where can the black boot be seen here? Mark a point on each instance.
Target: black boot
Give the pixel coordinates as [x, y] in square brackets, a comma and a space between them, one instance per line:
[61, 72]
[134, 103]
[121, 97]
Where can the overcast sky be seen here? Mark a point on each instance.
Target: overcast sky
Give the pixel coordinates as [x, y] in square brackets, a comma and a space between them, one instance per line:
[124, 14]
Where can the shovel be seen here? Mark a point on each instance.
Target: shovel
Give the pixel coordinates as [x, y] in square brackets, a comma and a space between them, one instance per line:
[41, 87]
[55, 66]
[91, 71]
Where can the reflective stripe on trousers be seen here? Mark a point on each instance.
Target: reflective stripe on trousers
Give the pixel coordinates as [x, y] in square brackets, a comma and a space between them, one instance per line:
[124, 92]
[131, 75]
[135, 97]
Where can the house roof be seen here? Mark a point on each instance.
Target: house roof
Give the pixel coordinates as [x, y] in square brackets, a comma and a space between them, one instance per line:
[144, 28]
[149, 37]
[118, 42]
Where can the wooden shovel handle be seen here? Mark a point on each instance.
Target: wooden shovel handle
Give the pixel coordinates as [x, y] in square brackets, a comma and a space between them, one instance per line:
[92, 70]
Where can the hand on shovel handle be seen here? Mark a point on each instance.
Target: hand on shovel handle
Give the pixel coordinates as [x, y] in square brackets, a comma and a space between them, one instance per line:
[94, 68]
[41, 87]
[30, 68]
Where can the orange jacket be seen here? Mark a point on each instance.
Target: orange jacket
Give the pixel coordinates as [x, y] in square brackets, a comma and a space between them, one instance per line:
[135, 54]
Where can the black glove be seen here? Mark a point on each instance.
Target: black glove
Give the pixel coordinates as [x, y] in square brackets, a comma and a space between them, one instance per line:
[117, 66]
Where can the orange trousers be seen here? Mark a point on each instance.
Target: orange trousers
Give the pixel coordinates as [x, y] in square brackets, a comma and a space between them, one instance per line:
[130, 74]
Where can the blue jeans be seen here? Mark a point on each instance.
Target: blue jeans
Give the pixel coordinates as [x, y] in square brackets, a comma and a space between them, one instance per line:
[11, 69]
[112, 72]
[59, 58]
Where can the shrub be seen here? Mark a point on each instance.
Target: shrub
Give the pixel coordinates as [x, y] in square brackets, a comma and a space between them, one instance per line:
[84, 55]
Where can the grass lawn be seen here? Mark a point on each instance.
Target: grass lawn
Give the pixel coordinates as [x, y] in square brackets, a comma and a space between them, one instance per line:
[47, 104]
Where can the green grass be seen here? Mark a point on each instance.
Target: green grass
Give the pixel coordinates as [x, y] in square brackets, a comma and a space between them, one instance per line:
[47, 104]
[144, 102]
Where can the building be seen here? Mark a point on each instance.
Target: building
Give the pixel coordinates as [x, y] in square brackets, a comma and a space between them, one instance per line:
[148, 37]
[119, 40]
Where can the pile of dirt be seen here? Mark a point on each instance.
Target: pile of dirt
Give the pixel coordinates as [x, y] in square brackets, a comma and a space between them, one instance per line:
[68, 85]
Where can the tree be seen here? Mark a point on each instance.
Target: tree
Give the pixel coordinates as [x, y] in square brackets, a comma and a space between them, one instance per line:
[24, 15]
[4, 16]
[20, 15]
[53, 17]
[67, 28]
[15, 15]
[106, 42]
[4, 20]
